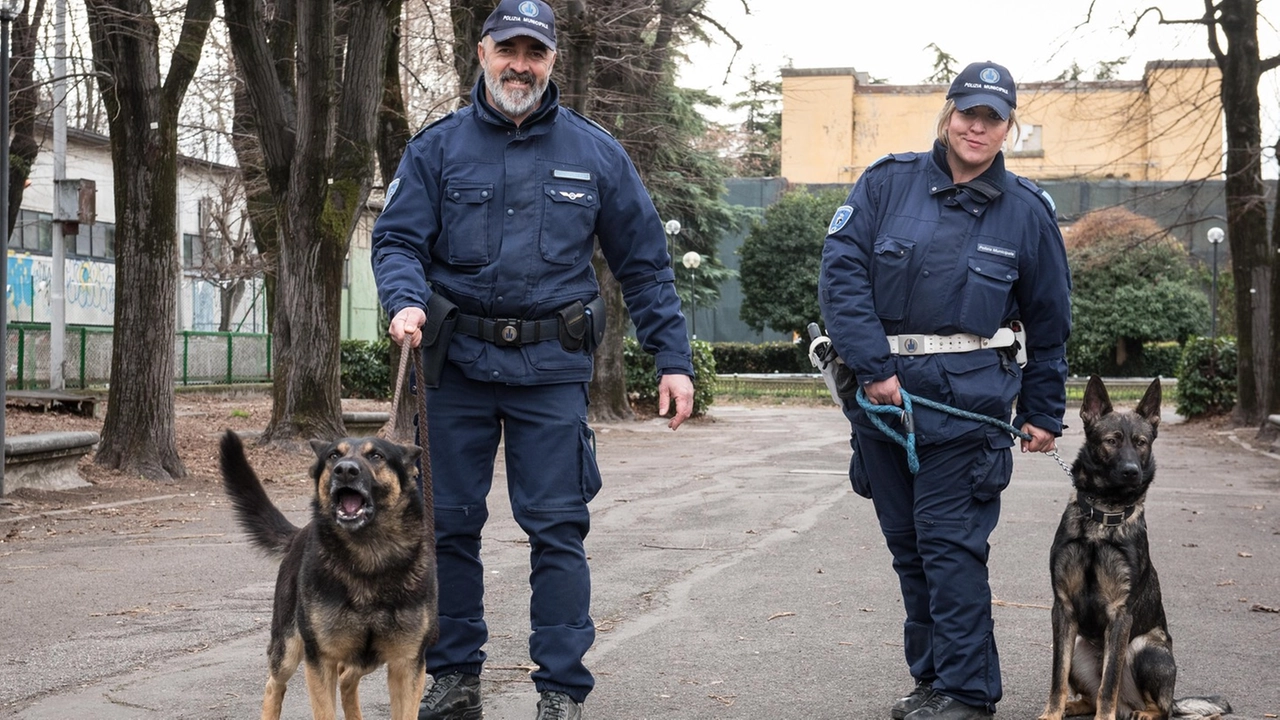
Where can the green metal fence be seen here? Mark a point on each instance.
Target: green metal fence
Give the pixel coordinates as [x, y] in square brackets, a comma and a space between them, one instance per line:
[202, 358]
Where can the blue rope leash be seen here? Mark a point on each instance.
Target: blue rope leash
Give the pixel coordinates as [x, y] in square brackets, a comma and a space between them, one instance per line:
[907, 416]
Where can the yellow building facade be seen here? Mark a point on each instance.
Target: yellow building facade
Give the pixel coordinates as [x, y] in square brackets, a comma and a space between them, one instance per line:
[1165, 127]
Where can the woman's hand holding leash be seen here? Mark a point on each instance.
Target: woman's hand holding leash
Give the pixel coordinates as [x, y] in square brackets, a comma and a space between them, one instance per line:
[885, 392]
[1041, 440]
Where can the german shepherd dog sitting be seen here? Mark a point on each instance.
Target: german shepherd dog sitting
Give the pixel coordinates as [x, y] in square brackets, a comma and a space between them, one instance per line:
[357, 585]
[1111, 642]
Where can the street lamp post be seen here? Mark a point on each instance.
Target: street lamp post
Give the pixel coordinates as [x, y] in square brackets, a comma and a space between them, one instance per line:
[672, 227]
[7, 13]
[692, 260]
[1216, 236]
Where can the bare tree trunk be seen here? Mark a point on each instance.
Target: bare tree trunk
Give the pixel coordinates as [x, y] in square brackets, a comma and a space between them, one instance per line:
[317, 132]
[1271, 401]
[393, 122]
[468, 18]
[1246, 197]
[227, 298]
[138, 432]
[23, 109]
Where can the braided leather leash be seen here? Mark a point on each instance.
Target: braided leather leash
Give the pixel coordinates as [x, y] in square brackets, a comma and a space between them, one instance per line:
[387, 431]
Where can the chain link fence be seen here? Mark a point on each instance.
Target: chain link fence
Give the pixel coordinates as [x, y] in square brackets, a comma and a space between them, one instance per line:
[202, 358]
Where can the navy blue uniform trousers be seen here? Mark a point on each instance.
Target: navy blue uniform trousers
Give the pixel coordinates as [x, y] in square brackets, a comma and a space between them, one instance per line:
[551, 475]
[936, 524]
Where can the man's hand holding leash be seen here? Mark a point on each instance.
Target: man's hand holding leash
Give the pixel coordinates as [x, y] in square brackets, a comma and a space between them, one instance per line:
[408, 323]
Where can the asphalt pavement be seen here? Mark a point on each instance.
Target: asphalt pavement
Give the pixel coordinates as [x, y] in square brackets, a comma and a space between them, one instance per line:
[735, 575]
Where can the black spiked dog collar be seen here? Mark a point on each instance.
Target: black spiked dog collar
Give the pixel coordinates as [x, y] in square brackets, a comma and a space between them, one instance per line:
[1108, 519]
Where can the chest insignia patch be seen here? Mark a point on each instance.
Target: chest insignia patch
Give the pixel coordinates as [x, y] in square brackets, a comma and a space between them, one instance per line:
[993, 250]
[843, 213]
[572, 195]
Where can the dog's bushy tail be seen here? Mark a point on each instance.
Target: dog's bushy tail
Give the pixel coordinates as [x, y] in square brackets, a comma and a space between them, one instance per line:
[268, 528]
[1201, 708]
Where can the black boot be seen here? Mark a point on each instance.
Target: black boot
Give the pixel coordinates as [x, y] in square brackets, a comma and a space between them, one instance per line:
[912, 701]
[943, 707]
[453, 696]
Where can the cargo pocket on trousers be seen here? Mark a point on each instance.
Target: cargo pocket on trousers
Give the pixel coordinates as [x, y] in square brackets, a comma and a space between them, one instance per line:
[591, 481]
[858, 470]
[991, 475]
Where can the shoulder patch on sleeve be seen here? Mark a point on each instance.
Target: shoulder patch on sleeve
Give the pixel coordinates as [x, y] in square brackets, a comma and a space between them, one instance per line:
[429, 125]
[1040, 193]
[843, 214]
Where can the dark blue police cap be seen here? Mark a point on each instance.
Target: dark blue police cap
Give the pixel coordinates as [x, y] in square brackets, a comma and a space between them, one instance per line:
[522, 17]
[985, 83]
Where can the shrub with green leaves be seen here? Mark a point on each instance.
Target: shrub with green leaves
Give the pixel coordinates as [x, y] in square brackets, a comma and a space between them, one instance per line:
[1133, 286]
[782, 259]
[366, 368]
[642, 377]
[1207, 377]
[767, 357]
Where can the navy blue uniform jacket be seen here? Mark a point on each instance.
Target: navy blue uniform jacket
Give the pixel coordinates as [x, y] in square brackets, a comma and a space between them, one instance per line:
[912, 252]
[501, 220]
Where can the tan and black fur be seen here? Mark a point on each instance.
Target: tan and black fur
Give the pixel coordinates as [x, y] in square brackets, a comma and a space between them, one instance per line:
[357, 585]
[1111, 642]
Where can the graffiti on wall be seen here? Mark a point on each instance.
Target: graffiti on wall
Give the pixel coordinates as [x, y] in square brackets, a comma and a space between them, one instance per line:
[89, 290]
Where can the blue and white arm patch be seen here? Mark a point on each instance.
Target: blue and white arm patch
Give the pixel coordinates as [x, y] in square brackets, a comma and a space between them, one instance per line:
[391, 191]
[843, 214]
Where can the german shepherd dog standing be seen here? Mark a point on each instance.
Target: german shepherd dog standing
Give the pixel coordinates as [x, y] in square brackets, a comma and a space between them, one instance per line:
[1111, 642]
[357, 585]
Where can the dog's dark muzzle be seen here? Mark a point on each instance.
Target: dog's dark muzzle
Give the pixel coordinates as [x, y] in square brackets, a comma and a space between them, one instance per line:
[349, 489]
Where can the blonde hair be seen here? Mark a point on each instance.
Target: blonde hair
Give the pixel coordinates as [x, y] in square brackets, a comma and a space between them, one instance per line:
[949, 107]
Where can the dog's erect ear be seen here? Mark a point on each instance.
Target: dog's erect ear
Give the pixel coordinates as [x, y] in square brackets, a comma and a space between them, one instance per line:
[1149, 407]
[1096, 401]
[320, 448]
[410, 453]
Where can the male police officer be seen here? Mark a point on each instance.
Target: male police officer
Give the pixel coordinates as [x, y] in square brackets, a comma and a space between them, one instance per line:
[485, 244]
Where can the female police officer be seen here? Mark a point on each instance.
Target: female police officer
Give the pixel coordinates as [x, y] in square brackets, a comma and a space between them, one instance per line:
[926, 267]
[493, 215]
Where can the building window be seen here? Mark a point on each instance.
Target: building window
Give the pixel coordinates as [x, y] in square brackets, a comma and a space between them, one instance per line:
[198, 251]
[34, 232]
[97, 241]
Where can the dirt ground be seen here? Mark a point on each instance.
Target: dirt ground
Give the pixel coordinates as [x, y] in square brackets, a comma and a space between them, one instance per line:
[201, 419]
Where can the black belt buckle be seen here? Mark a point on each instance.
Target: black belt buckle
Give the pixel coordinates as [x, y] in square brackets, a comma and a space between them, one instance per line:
[506, 332]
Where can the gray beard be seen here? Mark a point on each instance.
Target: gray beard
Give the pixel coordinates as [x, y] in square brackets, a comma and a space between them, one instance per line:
[514, 104]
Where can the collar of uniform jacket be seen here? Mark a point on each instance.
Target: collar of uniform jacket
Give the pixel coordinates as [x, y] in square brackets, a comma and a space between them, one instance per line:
[546, 110]
[974, 195]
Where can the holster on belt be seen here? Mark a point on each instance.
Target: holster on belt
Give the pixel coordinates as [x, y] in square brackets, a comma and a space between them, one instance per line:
[581, 326]
[596, 316]
[442, 317]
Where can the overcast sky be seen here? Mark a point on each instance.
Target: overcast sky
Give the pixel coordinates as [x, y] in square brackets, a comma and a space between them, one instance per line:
[1037, 40]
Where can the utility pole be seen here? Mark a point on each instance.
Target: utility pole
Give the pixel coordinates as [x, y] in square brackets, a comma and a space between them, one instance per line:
[58, 271]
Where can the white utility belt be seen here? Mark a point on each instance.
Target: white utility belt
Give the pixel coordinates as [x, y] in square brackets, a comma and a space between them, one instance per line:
[963, 342]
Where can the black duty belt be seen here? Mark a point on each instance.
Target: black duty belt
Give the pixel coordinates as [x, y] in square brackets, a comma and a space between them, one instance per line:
[509, 331]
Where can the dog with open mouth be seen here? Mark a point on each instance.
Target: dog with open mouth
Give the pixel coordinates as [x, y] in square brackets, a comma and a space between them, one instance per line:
[357, 584]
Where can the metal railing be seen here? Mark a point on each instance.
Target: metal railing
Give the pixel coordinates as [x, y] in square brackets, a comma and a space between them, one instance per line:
[201, 358]
[811, 385]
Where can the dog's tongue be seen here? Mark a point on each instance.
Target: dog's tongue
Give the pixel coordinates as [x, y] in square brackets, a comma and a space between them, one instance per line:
[351, 503]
